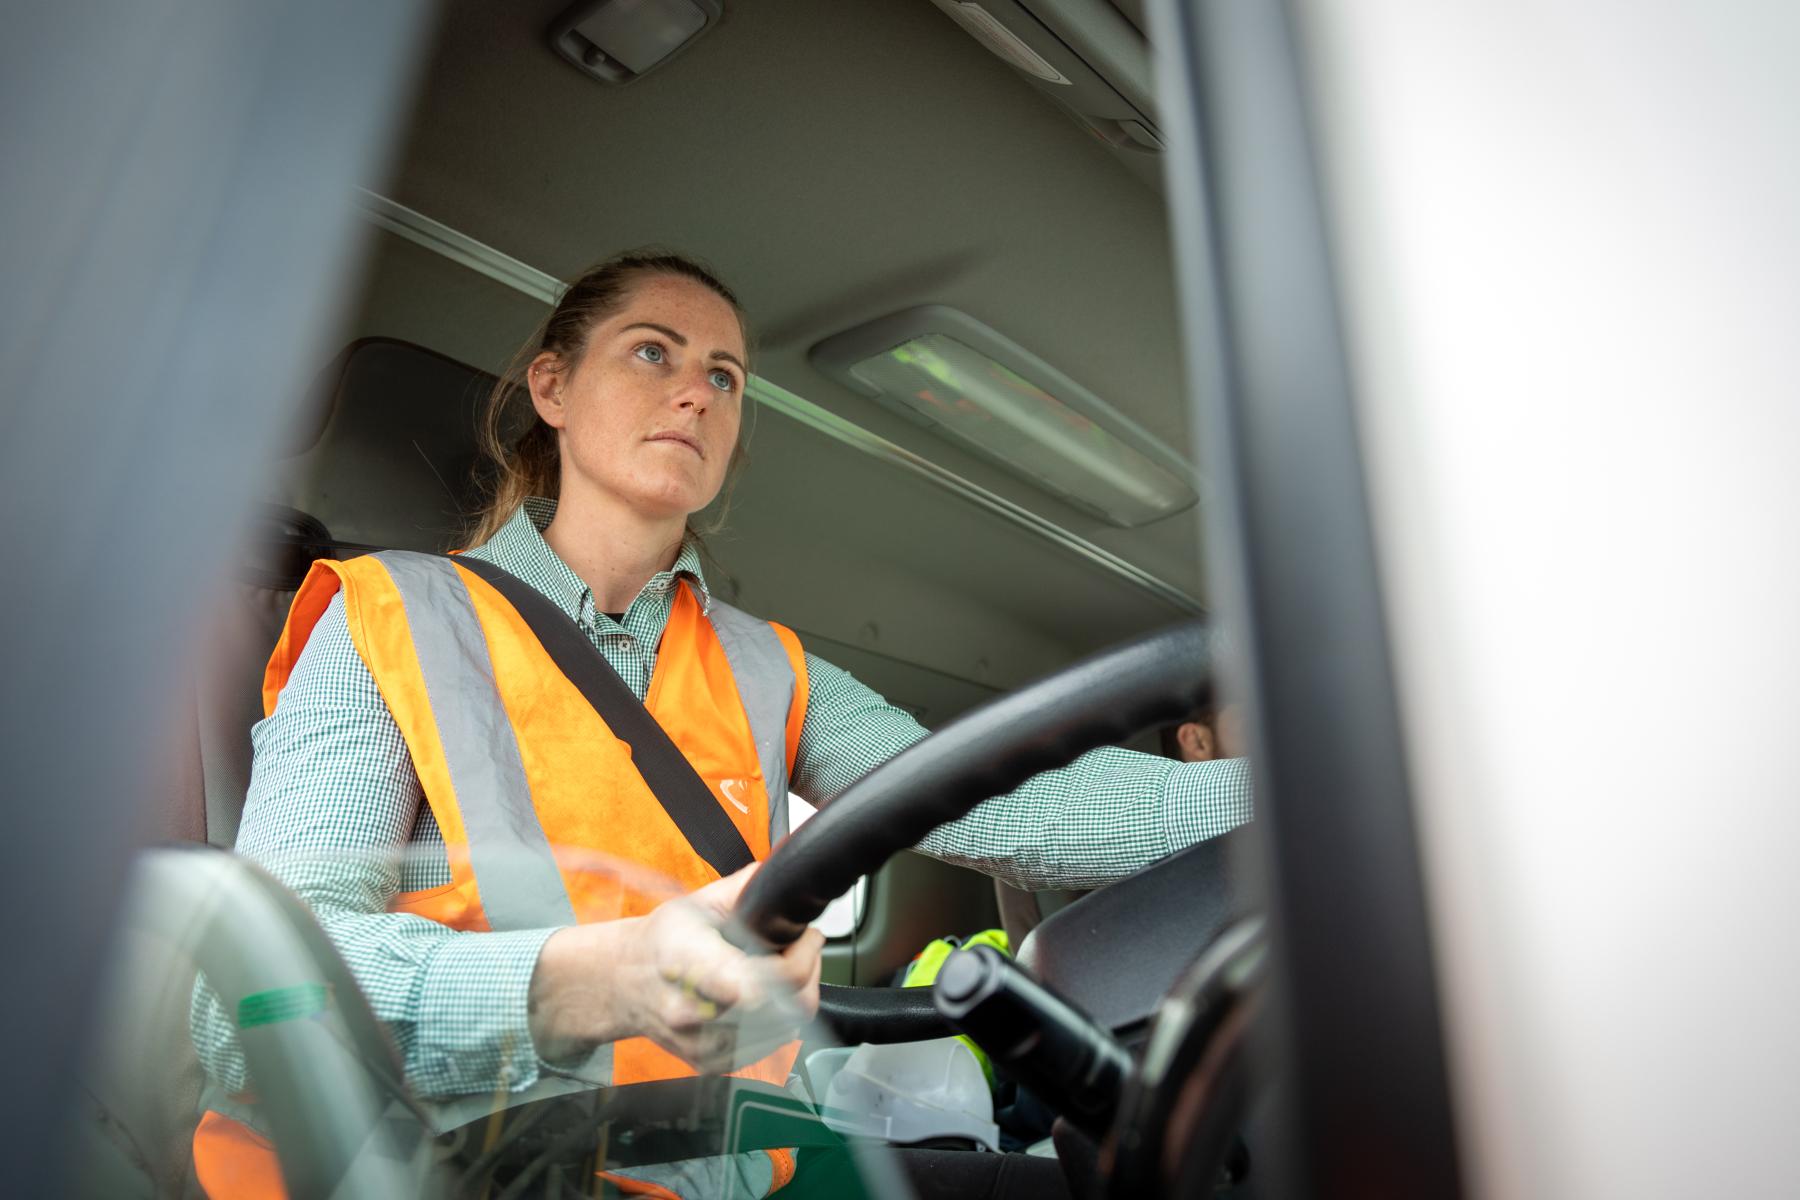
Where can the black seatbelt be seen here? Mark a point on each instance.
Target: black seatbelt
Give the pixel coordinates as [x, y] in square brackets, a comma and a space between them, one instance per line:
[683, 794]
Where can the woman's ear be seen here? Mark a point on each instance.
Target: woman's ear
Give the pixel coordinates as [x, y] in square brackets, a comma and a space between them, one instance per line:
[544, 379]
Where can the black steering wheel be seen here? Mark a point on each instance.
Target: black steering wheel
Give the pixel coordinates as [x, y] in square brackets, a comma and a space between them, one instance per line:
[1197, 1018]
[1105, 698]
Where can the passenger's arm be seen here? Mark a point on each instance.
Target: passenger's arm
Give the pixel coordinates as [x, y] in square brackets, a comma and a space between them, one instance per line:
[332, 808]
[1105, 815]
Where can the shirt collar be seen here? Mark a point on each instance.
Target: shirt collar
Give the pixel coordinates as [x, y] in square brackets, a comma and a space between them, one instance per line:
[519, 547]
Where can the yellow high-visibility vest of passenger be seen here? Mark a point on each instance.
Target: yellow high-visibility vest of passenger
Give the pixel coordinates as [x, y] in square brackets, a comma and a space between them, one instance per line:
[923, 970]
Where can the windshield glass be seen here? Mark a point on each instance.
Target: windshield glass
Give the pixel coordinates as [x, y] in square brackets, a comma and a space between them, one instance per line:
[569, 315]
[289, 1064]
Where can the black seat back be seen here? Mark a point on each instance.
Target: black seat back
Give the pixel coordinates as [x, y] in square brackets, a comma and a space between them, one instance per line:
[281, 547]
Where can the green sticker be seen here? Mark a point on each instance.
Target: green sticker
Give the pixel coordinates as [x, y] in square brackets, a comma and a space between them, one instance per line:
[282, 1004]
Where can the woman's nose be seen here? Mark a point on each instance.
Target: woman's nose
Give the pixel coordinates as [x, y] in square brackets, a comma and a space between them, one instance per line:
[693, 394]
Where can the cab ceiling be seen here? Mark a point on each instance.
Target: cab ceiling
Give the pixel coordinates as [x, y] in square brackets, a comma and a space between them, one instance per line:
[834, 161]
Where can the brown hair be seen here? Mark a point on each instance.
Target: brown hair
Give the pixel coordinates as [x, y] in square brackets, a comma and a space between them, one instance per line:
[511, 468]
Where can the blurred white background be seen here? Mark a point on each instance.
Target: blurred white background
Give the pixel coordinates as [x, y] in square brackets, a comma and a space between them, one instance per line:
[1571, 272]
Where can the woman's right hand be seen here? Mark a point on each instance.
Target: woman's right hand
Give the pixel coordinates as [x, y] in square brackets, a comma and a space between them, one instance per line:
[668, 976]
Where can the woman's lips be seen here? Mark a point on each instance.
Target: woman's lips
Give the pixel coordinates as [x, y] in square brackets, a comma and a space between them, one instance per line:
[672, 435]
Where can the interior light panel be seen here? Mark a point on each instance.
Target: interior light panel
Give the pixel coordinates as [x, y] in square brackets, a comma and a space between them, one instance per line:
[1000, 414]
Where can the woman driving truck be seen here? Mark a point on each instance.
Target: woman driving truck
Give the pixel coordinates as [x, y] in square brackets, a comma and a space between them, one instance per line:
[430, 783]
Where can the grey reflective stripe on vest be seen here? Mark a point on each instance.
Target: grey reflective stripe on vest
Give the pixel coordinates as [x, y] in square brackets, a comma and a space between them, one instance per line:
[765, 682]
[515, 869]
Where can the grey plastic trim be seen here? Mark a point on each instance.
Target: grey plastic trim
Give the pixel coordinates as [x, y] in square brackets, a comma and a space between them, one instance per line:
[1107, 41]
[1293, 554]
[460, 248]
[176, 174]
[1100, 61]
[521, 277]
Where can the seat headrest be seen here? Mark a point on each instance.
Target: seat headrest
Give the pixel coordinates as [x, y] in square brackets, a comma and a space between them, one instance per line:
[281, 547]
[393, 464]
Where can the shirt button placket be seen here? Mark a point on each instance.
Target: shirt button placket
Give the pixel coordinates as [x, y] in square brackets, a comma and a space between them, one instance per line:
[637, 666]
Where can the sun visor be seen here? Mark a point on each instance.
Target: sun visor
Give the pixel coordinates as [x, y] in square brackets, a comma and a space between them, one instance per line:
[1083, 54]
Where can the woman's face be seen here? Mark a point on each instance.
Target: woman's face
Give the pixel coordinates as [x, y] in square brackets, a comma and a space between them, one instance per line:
[649, 415]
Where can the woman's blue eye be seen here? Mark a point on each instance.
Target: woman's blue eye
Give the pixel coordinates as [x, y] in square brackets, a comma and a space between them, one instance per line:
[650, 352]
[723, 380]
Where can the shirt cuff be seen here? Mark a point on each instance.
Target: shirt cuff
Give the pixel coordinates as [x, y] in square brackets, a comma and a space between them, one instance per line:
[473, 1001]
[1205, 799]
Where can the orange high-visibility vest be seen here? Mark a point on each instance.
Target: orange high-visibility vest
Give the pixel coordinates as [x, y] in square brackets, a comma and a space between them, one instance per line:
[536, 798]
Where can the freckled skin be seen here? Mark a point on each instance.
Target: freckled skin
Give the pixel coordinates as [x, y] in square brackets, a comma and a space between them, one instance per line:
[633, 382]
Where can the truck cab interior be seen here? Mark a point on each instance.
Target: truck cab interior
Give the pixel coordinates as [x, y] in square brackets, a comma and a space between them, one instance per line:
[1105, 354]
[917, 189]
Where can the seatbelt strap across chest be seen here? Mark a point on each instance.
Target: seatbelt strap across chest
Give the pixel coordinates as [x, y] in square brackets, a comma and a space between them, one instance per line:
[667, 772]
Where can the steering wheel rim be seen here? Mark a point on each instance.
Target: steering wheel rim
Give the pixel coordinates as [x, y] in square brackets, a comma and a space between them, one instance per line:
[1104, 698]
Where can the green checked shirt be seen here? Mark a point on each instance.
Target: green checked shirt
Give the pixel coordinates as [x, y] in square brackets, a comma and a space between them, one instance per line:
[336, 812]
